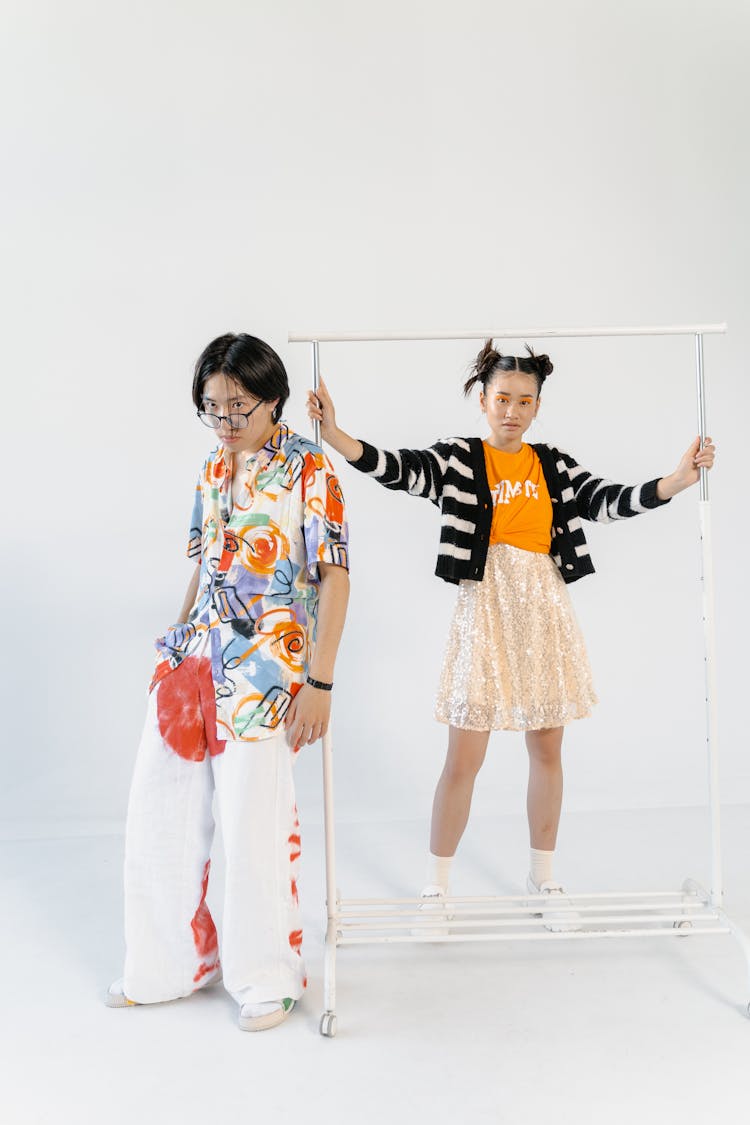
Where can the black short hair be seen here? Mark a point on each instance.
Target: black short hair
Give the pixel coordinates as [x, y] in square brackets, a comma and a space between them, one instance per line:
[249, 362]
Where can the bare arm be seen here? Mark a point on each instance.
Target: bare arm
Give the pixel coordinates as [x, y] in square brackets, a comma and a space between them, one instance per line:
[334, 598]
[308, 717]
[189, 601]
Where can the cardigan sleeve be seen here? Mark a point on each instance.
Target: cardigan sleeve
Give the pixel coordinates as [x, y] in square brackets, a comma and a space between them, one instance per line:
[602, 500]
[420, 472]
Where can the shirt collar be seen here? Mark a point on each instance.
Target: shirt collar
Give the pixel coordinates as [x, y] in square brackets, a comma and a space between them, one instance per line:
[262, 456]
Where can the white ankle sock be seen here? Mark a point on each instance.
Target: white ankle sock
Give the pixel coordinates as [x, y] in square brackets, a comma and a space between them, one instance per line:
[439, 870]
[540, 866]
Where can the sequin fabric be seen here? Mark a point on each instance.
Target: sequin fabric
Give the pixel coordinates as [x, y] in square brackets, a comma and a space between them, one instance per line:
[515, 657]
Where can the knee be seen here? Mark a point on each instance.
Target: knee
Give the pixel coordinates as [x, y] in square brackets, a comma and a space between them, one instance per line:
[545, 752]
[460, 770]
[547, 759]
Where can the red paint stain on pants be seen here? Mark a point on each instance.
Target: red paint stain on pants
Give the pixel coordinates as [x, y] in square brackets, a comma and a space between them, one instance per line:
[204, 933]
[186, 707]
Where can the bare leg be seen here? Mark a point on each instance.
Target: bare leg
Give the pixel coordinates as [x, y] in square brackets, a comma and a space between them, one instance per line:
[544, 796]
[450, 808]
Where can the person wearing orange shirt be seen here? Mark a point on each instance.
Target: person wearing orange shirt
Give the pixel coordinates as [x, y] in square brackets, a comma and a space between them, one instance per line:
[511, 538]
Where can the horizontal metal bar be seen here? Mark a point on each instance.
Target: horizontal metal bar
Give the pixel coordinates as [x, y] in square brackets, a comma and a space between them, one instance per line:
[508, 333]
[440, 920]
[694, 909]
[458, 899]
[544, 935]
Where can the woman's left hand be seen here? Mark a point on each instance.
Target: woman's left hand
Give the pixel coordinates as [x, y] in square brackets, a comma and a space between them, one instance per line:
[688, 470]
[308, 717]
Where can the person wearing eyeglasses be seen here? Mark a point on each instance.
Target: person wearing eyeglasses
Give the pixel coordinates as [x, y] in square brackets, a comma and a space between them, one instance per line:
[242, 681]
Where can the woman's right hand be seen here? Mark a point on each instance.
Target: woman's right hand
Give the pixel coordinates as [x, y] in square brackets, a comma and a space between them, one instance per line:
[320, 409]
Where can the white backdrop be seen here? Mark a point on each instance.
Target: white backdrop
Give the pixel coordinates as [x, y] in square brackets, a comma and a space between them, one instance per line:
[175, 171]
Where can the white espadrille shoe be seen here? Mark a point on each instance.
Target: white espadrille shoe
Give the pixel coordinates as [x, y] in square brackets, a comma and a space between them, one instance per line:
[259, 1017]
[115, 996]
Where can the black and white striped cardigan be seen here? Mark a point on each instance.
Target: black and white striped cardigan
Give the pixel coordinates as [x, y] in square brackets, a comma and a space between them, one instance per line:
[452, 474]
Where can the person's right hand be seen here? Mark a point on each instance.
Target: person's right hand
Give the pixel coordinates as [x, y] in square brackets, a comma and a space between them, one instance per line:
[320, 409]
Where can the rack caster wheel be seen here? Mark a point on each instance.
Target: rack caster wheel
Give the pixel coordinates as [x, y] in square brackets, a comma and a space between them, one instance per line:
[685, 926]
[328, 1024]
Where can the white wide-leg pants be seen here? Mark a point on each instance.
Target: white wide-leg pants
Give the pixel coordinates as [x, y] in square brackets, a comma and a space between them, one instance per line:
[171, 941]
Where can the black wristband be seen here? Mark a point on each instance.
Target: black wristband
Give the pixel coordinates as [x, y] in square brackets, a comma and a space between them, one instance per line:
[319, 684]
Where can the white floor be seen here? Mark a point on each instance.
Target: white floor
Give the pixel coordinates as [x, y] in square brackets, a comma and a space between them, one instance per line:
[601, 1031]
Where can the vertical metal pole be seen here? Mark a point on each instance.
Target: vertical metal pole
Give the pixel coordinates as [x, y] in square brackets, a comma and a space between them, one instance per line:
[709, 640]
[329, 966]
[332, 903]
[316, 384]
[703, 484]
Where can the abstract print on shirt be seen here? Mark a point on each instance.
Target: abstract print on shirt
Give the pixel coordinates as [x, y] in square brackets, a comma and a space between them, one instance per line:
[259, 581]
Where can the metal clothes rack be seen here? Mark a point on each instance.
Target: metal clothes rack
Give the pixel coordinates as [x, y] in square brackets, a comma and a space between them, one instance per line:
[646, 914]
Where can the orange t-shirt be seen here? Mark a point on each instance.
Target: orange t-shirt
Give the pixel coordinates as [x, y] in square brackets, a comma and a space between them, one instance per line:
[521, 505]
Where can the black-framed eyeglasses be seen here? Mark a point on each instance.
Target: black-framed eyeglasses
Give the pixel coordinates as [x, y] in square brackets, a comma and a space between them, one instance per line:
[236, 421]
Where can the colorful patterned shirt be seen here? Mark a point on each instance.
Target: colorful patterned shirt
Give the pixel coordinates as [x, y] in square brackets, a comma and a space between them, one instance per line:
[255, 611]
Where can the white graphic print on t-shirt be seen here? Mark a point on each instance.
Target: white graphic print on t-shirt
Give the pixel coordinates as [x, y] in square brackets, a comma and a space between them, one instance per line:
[506, 490]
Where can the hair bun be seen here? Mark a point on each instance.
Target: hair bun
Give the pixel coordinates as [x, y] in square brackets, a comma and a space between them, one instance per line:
[544, 365]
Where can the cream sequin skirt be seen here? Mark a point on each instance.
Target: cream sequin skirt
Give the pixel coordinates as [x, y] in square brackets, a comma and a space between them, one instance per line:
[515, 658]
